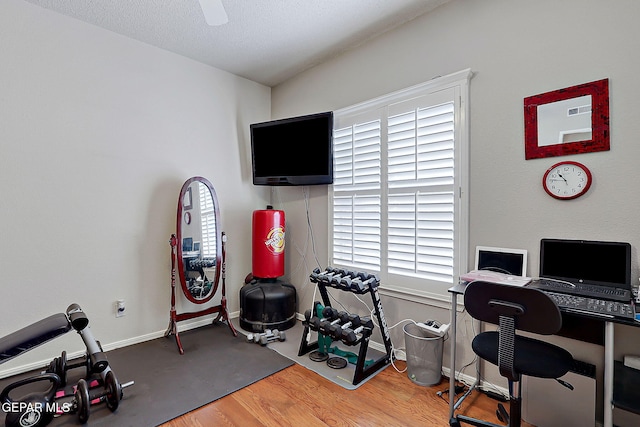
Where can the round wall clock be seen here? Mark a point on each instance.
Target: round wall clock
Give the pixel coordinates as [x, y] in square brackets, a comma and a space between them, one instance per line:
[567, 180]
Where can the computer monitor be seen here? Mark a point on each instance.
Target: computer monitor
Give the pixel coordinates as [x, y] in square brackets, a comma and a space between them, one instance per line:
[502, 260]
[585, 261]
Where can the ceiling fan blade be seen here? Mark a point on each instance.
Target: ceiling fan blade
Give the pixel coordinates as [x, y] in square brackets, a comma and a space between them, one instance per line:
[214, 12]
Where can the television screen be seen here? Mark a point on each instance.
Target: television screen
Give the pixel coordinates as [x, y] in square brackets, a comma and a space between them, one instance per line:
[293, 151]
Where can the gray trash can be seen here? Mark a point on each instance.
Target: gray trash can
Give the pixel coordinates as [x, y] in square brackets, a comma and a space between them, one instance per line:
[424, 355]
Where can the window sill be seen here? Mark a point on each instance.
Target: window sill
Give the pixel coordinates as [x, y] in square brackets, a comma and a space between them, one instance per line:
[420, 297]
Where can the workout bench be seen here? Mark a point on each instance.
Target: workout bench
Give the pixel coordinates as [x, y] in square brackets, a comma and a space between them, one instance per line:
[37, 409]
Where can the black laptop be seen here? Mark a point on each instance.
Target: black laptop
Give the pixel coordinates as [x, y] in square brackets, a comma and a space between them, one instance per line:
[586, 268]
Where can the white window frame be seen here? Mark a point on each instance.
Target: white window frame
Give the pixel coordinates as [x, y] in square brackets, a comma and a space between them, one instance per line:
[405, 287]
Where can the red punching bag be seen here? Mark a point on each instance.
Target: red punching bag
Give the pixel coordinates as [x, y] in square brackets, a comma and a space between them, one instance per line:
[268, 243]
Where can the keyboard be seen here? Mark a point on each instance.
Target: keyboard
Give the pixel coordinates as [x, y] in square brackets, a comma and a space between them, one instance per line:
[581, 289]
[494, 277]
[593, 306]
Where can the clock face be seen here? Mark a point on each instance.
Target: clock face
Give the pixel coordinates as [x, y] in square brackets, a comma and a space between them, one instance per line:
[567, 180]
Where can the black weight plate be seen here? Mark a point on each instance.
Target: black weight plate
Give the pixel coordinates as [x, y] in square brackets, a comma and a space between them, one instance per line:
[62, 368]
[82, 401]
[114, 392]
[337, 363]
[316, 356]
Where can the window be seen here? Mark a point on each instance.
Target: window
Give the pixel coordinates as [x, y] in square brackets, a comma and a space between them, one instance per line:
[207, 212]
[398, 202]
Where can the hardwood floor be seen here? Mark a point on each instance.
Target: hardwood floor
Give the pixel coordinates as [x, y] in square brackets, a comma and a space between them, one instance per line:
[297, 396]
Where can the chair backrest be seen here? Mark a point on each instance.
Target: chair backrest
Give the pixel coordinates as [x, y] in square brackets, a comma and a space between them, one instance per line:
[532, 310]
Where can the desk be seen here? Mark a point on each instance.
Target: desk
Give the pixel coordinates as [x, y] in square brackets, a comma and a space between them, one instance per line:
[609, 324]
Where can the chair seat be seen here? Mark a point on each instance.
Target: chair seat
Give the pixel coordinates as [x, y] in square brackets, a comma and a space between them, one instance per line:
[532, 357]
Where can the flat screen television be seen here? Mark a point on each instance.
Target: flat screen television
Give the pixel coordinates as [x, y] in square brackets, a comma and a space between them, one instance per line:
[293, 151]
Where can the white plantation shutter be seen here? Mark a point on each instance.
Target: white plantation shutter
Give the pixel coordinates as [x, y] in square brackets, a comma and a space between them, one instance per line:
[420, 229]
[208, 222]
[356, 232]
[400, 173]
[357, 209]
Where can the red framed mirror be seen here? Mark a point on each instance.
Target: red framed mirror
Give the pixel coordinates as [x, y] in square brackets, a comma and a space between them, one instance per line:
[199, 249]
[567, 121]
[199, 241]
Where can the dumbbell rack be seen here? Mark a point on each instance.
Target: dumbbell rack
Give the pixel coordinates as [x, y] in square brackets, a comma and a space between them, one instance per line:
[358, 283]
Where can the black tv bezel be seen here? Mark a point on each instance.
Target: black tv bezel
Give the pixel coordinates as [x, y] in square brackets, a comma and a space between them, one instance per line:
[626, 245]
[293, 180]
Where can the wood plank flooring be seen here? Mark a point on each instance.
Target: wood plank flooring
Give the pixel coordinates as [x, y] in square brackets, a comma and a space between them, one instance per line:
[297, 397]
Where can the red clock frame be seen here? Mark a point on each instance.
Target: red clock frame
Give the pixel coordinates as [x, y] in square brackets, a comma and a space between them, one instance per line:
[575, 196]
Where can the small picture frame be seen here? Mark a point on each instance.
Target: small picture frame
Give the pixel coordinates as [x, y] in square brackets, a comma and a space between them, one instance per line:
[187, 202]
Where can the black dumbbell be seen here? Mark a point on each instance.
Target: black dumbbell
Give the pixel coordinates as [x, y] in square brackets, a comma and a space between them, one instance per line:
[346, 282]
[112, 394]
[325, 326]
[346, 321]
[308, 314]
[363, 285]
[328, 314]
[335, 327]
[315, 275]
[362, 275]
[356, 285]
[330, 276]
[351, 336]
[60, 366]
[337, 281]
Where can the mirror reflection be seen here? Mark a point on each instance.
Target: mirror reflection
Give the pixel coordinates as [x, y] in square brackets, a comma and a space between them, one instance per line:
[565, 121]
[198, 241]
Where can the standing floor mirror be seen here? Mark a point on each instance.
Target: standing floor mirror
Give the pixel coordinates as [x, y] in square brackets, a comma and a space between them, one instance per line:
[199, 248]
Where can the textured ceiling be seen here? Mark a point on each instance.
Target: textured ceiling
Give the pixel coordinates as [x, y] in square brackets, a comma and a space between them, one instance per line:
[267, 41]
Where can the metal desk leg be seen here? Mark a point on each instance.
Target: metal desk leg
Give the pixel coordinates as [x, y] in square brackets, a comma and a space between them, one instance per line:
[608, 373]
[452, 364]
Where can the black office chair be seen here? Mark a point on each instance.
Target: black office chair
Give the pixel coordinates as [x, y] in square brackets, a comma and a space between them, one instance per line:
[515, 308]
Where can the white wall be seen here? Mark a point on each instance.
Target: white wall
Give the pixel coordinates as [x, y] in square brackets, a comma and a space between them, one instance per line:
[516, 49]
[98, 132]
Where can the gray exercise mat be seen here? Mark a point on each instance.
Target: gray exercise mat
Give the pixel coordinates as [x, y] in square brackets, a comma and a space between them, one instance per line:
[343, 377]
[167, 384]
